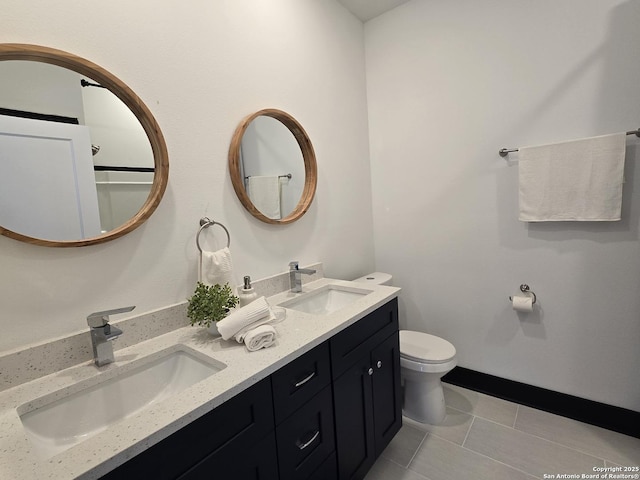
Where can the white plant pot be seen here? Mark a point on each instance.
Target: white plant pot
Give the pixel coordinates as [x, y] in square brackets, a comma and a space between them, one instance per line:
[213, 329]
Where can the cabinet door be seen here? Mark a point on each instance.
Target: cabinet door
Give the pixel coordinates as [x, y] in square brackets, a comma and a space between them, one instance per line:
[387, 401]
[353, 406]
[357, 340]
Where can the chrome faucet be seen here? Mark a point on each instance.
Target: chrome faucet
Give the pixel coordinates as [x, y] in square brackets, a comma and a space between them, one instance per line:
[295, 276]
[102, 333]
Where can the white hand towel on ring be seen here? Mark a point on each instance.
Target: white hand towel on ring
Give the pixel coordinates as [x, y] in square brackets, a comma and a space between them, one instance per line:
[217, 268]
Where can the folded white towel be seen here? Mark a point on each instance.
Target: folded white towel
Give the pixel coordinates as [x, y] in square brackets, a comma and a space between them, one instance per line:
[217, 267]
[578, 180]
[238, 319]
[240, 335]
[263, 336]
[264, 193]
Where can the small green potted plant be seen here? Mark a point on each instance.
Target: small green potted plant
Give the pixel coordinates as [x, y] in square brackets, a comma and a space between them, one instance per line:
[210, 304]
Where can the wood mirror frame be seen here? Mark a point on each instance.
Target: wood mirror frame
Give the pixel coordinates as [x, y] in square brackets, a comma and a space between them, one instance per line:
[36, 53]
[308, 155]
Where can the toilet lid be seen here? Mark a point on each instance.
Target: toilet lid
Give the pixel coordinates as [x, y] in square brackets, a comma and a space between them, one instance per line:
[425, 348]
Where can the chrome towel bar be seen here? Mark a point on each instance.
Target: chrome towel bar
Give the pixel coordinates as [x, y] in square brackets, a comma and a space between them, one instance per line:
[286, 175]
[503, 152]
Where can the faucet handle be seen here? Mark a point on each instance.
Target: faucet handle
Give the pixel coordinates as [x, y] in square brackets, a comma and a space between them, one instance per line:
[293, 265]
[100, 319]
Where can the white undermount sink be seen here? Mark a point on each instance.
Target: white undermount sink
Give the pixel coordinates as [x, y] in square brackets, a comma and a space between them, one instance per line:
[58, 421]
[326, 299]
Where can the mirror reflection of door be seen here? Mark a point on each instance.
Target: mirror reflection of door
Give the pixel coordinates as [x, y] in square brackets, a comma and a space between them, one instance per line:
[122, 164]
[272, 166]
[47, 182]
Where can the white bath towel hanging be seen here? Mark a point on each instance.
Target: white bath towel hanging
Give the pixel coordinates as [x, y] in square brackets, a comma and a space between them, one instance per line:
[578, 180]
[217, 267]
[264, 192]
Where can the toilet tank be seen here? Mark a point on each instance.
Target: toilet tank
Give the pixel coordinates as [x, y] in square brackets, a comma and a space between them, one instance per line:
[376, 278]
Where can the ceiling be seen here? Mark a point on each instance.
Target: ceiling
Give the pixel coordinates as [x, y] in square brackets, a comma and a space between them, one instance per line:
[367, 9]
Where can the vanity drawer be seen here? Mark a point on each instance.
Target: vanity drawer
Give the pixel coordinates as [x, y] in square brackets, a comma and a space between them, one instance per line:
[239, 422]
[306, 439]
[348, 346]
[258, 462]
[299, 381]
[328, 470]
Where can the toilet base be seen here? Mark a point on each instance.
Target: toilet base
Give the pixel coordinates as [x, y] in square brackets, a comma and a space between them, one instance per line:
[424, 400]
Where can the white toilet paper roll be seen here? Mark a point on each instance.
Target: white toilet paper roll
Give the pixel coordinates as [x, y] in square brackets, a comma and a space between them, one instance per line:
[522, 303]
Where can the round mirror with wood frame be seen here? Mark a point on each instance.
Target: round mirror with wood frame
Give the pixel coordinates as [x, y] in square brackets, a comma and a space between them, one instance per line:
[308, 156]
[151, 128]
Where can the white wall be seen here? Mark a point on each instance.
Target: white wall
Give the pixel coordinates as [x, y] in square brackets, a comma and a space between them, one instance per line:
[449, 84]
[28, 86]
[201, 67]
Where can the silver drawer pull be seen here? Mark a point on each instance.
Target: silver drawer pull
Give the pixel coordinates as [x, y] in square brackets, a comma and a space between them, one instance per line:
[305, 380]
[305, 445]
[370, 371]
[379, 364]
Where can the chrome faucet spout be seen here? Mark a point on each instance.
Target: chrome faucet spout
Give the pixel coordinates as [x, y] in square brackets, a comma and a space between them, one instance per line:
[295, 276]
[102, 333]
[111, 332]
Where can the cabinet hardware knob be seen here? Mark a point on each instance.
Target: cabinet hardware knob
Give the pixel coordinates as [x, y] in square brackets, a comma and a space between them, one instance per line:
[379, 364]
[305, 380]
[310, 441]
[370, 371]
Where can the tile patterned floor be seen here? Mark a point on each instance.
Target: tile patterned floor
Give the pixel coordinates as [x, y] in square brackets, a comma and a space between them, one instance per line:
[484, 437]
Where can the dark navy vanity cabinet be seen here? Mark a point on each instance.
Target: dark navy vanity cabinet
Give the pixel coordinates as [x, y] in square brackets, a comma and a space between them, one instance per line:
[326, 415]
[366, 389]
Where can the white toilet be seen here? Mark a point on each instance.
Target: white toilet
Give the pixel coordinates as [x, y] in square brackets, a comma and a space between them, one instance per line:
[424, 360]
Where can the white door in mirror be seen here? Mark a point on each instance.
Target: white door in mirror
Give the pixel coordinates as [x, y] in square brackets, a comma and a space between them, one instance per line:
[54, 174]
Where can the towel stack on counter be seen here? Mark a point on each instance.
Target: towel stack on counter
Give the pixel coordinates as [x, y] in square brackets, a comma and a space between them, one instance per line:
[250, 324]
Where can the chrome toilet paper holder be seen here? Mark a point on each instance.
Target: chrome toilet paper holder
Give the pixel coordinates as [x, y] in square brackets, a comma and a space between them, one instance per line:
[524, 288]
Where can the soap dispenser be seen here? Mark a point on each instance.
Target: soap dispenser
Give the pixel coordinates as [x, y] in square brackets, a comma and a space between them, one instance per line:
[247, 294]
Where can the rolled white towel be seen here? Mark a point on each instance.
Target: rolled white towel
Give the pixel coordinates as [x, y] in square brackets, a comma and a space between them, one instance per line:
[239, 336]
[263, 336]
[257, 310]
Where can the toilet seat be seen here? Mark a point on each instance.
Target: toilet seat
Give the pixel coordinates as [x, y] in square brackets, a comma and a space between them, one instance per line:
[411, 367]
[424, 348]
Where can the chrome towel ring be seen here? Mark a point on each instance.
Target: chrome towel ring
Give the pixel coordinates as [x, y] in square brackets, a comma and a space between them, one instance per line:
[205, 222]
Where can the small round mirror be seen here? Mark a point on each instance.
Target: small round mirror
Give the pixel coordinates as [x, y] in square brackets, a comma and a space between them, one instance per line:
[273, 166]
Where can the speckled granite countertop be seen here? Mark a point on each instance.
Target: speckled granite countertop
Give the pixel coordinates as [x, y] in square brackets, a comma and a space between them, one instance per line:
[95, 456]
